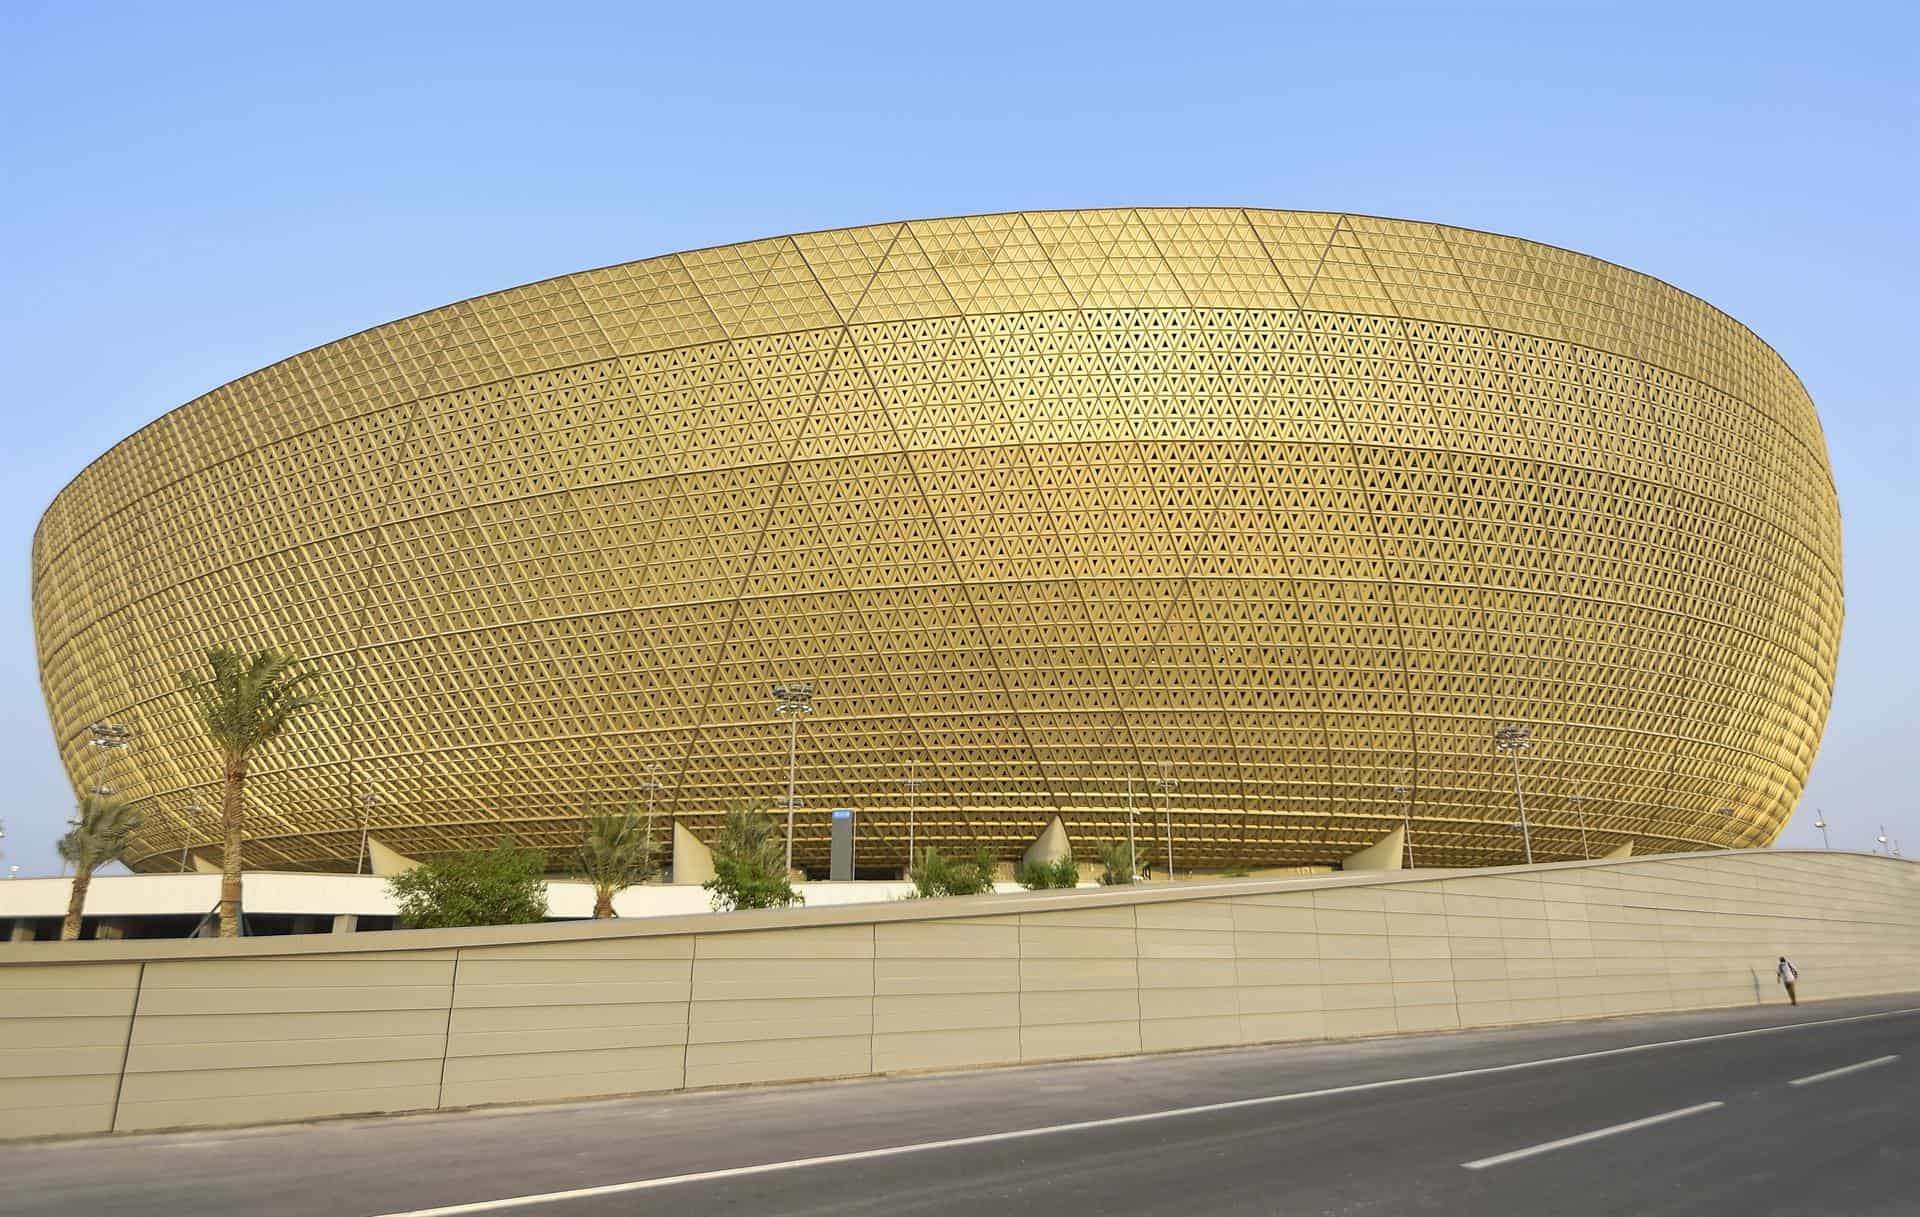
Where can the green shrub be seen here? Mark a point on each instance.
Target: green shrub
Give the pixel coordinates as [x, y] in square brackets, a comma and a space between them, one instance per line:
[750, 864]
[1038, 876]
[968, 875]
[500, 886]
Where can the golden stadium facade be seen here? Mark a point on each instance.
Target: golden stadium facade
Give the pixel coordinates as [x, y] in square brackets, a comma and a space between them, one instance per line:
[1292, 509]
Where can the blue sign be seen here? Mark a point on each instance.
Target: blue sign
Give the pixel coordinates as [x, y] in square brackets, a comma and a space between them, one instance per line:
[843, 813]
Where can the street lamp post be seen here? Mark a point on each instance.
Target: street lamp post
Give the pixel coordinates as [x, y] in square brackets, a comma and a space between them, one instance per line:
[192, 812]
[1882, 838]
[109, 738]
[1513, 740]
[1576, 801]
[1820, 822]
[1166, 786]
[1403, 789]
[1133, 854]
[911, 784]
[792, 700]
[1726, 813]
[651, 783]
[367, 803]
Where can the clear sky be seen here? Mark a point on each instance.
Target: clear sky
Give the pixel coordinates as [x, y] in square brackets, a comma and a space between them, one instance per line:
[193, 192]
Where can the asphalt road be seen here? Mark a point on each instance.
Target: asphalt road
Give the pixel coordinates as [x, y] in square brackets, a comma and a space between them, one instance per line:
[1521, 1121]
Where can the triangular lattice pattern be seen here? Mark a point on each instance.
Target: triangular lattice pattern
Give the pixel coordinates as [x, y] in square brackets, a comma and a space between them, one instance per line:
[1292, 508]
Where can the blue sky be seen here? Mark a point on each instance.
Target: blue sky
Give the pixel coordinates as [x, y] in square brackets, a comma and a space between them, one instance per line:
[195, 191]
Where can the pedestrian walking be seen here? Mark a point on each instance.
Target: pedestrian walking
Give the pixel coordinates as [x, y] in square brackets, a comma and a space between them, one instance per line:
[1788, 974]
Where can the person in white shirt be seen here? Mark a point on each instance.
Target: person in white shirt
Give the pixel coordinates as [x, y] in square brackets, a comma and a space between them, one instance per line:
[1788, 974]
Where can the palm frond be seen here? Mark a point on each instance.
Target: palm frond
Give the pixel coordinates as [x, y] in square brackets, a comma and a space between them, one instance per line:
[618, 850]
[100, 832]
[244, 701]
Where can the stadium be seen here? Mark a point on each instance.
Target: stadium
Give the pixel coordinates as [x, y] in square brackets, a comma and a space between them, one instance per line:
[1262, 530]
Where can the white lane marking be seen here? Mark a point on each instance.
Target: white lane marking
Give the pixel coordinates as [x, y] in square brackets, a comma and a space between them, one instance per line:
[918, 1147]
[1611, 1130]
[1844, 1069]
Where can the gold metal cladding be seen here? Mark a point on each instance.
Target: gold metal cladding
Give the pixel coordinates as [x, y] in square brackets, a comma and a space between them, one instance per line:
[1292, 508]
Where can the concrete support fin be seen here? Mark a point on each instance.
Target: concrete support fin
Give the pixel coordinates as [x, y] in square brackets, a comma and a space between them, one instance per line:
[692, 860]
[1050, 846]
[203, 865]
[386, 860]
[1388, 853]
[1625, 850]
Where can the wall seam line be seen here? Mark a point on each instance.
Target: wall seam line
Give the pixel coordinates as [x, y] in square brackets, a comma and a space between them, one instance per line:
[446, 1035]
[1139, 1006]
[126, 1049]
[686, 1039]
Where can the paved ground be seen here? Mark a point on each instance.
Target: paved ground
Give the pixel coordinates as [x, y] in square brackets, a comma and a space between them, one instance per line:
[1428, 1124]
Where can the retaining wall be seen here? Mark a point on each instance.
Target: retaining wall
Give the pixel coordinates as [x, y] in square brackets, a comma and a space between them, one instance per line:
[106, 1036]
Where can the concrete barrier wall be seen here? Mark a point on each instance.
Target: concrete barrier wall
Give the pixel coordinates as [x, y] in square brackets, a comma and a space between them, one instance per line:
[169, 1034]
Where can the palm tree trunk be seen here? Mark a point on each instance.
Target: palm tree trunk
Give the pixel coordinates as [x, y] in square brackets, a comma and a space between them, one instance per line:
[602, 903]
[230, 816]
[76, 903]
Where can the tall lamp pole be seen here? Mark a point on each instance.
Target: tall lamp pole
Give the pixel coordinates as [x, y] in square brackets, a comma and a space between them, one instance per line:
[192, 812]
[1166, 786]
[1820, 822]
[367, 803]
[651, 783]
[1513, 740]
[792, 700]
[1403, 790]
[1133, 853]
[1882, 838]
[109, 738]
[911, 784]
[1576, 801]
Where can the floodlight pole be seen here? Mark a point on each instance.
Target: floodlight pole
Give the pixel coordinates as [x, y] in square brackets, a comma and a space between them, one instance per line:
[1133, 854]
[1576, 801]
[109, 738]
[1820, 822]
[1513, 740]
[793, 700]
[367, 803]
[912, 784]
[1166, 786]
[1403, 788]
[192, 812]
[652, 784]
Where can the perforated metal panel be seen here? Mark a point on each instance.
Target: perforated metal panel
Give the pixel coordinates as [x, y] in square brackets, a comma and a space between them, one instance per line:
[1291, 508]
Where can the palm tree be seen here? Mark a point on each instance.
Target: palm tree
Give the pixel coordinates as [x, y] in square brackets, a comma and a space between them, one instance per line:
[244, 706]
[749, 865]
[617, 853]
[1120, 863]
[98, 836]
